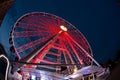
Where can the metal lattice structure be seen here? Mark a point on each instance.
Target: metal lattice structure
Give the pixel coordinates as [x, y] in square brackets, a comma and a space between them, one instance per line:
[44, 38]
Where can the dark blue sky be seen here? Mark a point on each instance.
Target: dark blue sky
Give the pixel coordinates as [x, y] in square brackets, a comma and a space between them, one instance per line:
[98, 20]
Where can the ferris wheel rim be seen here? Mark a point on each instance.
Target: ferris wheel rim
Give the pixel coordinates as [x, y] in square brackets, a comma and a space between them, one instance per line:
[44, 14]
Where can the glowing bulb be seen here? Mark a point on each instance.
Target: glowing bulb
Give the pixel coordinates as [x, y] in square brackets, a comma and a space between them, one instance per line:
[63, 28]
[75, 70]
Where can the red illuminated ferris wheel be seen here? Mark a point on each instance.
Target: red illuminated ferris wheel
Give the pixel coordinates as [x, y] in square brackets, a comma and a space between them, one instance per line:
[44, 38]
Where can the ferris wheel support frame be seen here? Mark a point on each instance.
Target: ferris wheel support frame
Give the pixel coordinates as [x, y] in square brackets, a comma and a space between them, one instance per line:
[44, 45]
[85, 52]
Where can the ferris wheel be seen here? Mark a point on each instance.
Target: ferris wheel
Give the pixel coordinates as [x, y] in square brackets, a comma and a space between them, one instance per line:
[45, 38]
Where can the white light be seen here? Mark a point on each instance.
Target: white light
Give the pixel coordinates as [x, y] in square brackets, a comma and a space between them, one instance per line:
[74, 76]
[63, 28]
[7, 65]
[33, 77]
[75, 70]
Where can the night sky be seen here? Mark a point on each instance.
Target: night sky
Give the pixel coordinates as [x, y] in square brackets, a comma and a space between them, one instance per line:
[98, 20]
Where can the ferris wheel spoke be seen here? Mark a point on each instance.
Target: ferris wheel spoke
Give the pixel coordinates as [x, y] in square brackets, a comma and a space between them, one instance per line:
[66, 61]
[47, 20]
[30, 34]
[41, 54]
[65, 49]
[43, 51]
[52, 21]
[30, 44]
[44, 24]
[79, 50]
[39, 21]
[81, 54]
[32, 26]
[82, 41]
[84, 45]
[75, 51]
[71, 52]
[86, 53]
[68, 52]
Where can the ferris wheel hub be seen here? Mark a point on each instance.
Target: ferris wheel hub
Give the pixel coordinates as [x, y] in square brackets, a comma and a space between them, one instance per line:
[63, 28]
